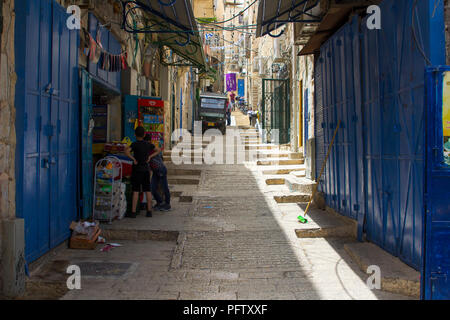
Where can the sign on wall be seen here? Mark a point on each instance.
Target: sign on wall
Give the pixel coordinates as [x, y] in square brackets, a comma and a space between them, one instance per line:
[241, 88]
[446, 117]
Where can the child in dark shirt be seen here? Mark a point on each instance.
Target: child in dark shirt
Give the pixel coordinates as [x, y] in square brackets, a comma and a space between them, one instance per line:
[140, 176]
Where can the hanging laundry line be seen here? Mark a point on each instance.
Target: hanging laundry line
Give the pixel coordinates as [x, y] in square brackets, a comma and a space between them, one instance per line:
[106, 60]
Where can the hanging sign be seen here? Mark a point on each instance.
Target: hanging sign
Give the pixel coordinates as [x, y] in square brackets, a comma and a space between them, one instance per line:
[231, 81]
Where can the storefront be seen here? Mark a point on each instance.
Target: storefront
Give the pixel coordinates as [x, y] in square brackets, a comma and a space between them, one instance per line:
[100, 102]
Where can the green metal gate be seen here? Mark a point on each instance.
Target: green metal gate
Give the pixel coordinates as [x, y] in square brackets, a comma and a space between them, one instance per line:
[276, 110]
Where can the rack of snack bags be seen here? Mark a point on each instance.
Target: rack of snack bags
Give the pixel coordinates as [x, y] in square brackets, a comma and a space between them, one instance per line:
[109, 191]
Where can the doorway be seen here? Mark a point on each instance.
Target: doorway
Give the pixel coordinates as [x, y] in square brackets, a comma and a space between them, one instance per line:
[98, 105]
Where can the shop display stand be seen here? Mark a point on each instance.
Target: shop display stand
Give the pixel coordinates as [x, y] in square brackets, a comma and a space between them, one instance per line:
[107, 179]
[151, 117]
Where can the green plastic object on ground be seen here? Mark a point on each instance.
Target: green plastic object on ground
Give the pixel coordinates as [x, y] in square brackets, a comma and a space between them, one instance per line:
[302, 219]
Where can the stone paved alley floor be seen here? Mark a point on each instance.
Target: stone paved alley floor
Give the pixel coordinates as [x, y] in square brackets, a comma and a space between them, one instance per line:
[233, 241]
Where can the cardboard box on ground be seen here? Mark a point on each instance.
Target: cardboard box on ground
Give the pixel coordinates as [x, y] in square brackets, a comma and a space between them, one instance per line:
[84, 235]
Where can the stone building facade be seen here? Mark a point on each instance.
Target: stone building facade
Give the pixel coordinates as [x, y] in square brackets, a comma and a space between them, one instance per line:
[7, 128]
[178, 98]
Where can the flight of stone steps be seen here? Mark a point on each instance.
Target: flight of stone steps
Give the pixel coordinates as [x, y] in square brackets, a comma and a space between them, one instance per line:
[280, 167]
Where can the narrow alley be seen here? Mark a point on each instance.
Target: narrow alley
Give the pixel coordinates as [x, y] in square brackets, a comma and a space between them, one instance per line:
[224, 150]
[232, 241]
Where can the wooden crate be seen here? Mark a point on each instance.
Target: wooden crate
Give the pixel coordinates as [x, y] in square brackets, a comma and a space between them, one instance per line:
[82, 241]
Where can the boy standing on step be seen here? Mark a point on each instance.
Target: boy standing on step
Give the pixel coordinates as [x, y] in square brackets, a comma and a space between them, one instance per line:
[140, 176]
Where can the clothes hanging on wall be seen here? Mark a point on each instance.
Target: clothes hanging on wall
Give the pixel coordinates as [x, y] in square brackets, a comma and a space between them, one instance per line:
[93, 49]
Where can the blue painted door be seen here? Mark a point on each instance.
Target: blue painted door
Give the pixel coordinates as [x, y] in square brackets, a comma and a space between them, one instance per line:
[436, 279]
[46, 125]
[87, 166]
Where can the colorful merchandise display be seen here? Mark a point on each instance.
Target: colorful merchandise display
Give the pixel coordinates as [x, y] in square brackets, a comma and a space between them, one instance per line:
[109, 191]
[151, 117]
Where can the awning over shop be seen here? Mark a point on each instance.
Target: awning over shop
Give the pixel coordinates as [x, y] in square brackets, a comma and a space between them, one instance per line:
[173, 21]
[333, 19]
[273, 14]
[336, 16]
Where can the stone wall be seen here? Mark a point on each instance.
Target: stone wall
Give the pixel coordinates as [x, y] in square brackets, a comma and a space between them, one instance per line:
[7, 116]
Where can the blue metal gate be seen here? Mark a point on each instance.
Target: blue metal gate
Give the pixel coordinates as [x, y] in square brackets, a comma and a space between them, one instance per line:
[46, 124]
[373, 81]
[340, 99]
[436, 271]
[393, 65]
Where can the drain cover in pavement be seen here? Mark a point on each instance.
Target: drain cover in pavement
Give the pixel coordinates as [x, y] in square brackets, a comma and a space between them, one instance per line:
[103, 269]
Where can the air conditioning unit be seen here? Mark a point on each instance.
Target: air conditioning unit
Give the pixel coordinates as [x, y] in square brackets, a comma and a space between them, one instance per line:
[310, 159]
[255, 65]
[263, 69]
[142, 83]
[233, 67]
[316, 10]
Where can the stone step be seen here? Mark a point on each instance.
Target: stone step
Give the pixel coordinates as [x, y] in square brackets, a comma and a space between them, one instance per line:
[292, 198]
[301, 185]
[272, 155]
[296, 155]
[275, 181]
[281, 162]
[183, 180]
[183, 172]
[283, 171]
[261, 147]
[250, 140]
[321, 224]
[190, 182]
[130, 234]
[396, 276]
[298, 174]
[184, 160]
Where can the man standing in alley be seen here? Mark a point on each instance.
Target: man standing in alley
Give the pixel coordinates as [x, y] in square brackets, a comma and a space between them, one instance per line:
[159, 178]
[232, 100]
[140, 176]
[228, 108]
